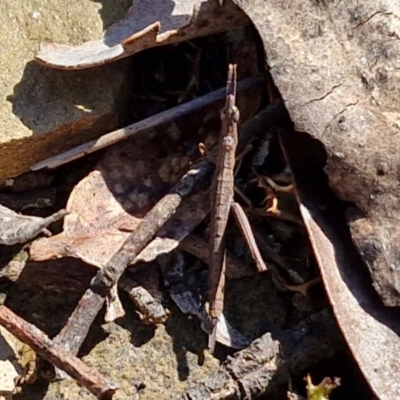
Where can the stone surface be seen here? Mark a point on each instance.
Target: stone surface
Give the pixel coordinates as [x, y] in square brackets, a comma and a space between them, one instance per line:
[9, 369]
[44, 111]
[7, 375]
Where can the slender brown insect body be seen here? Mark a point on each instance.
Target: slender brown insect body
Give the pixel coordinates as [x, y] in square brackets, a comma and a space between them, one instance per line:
[222, 202]
[223, 189]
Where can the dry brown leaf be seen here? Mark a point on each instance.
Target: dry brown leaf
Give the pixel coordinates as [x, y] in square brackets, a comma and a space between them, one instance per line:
[149, 23]
[127, 182]
[337, 69]
[370, 329]
[345, 95]
[109, 203]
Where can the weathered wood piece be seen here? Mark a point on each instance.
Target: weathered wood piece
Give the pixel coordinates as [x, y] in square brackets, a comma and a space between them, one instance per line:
[151, 311]
[344, 95]
[263, 368]
[370, 329]
[43, 111]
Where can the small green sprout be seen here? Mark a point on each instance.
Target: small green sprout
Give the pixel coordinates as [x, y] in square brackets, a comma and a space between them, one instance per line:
[321, 391]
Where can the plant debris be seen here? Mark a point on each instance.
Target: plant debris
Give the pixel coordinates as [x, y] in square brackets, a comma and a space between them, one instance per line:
[17, 228]
[145, 217]
[322, 390]
[147, 24]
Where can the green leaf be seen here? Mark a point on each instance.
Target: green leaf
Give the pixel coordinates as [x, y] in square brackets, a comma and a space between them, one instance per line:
[323, 390]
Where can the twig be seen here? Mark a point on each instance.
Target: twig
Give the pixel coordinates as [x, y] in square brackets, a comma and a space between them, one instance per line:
[245, 228]
[41, 344]
[77, 326]
[151, 122]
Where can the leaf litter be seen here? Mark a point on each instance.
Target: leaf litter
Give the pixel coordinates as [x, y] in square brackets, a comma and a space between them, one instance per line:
[132, 177]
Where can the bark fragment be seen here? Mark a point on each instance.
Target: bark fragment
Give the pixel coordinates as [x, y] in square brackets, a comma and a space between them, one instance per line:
[264, 366]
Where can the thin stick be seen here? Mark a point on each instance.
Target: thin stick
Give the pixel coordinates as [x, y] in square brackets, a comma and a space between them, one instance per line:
[151, 122]
[78, 324]
[222, 189]
[245, 228]
[42, 345]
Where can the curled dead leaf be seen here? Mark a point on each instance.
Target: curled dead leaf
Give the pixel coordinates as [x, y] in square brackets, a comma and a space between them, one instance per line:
[370, 329]
[148, 24]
